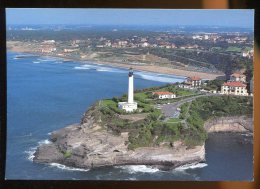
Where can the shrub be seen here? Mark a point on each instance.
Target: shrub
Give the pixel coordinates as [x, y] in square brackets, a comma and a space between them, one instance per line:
[67, 154]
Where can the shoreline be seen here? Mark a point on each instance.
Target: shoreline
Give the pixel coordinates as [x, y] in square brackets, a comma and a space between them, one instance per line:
[86, 146]
[146, 68]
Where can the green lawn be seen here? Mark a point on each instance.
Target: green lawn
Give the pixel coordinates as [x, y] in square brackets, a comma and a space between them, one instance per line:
[248, 48]
[183, 92]
[172, 120]
[233, 49]
[216, 48]
[108, 102]
[141, 96]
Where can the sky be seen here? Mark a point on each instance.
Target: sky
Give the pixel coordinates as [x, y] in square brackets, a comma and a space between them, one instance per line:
[234, 18]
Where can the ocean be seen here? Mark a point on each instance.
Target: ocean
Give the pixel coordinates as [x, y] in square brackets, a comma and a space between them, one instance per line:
[45, 94]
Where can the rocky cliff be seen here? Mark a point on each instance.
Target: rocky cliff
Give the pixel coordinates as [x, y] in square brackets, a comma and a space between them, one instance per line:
[89, 145]
[229, 124]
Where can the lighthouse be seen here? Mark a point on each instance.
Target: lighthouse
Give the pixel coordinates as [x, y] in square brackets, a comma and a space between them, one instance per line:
[131, 86]
[130, 105]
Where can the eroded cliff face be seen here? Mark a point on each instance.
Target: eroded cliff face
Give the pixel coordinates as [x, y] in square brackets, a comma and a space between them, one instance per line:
[229, 124]
[89, 145]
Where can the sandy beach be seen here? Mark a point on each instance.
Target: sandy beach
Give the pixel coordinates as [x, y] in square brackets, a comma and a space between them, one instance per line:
[148, 68]
[164, 70]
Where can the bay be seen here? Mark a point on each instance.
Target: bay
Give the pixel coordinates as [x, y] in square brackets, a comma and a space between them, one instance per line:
[45, 94]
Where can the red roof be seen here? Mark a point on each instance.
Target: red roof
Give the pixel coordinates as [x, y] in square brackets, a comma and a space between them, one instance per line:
[163, 93]
[234, 84]
[238, 75]
[195, 78]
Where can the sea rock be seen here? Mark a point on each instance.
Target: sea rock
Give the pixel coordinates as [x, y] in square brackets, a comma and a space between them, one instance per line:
[89, 145]
[229, 124]
[48, 153]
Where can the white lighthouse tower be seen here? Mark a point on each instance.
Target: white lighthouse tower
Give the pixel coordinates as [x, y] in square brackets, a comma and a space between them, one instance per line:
[130, 105]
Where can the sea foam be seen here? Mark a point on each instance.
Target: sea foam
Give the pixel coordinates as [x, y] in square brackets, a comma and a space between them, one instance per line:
[107, 69]
[64, 167]
[46, 141]
[159, 77]
[32, 150]
[30, 153]
[81, 68]
[191, 166]
[138, 168]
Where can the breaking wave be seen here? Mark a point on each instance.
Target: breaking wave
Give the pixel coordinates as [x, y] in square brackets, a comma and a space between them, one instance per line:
[160, 77]
[85, 67]
[164, 78]
[98, 68]
[191, 166]
[64, 167]
[44, 142]
[107, 69]
[247, 134]
[30, 153]
[81, 68]
[32, 150]
[138, 168]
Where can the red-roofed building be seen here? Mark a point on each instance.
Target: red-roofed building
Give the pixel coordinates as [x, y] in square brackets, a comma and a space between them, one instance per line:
[234, 88]
[164, 94]
[191, 83]
[195, 81]
[238, 77]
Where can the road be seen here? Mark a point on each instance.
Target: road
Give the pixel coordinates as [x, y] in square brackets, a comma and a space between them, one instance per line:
[172, 110]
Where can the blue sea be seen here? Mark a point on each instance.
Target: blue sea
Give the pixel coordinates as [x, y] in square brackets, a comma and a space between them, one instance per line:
[45, 94]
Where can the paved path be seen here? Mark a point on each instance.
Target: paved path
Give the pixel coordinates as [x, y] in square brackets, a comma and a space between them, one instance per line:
[172, 110]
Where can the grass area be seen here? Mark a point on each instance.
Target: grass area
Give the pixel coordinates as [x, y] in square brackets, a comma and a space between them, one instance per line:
[174, 120]
[178, 91]
[184, 110]
[67, 154]
[247, 48]
[152, 130]
[142, 97]
[109, 102]
[233, 49]
[217, 49]
[183, 92]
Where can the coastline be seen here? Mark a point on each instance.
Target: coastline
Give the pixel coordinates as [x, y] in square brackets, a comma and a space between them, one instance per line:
[147, 68]
[87, 145]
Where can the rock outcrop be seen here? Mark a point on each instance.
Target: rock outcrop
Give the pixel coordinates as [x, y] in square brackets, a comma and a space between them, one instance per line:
[229, 124]
[89, 145]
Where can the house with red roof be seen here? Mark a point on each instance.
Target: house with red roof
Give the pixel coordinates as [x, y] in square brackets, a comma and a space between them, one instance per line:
[234, 88]
[195, 81]
[191, 83]
[164, 95]
[238, 77]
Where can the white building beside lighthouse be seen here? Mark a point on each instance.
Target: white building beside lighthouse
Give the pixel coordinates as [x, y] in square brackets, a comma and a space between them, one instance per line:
[130, 105]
